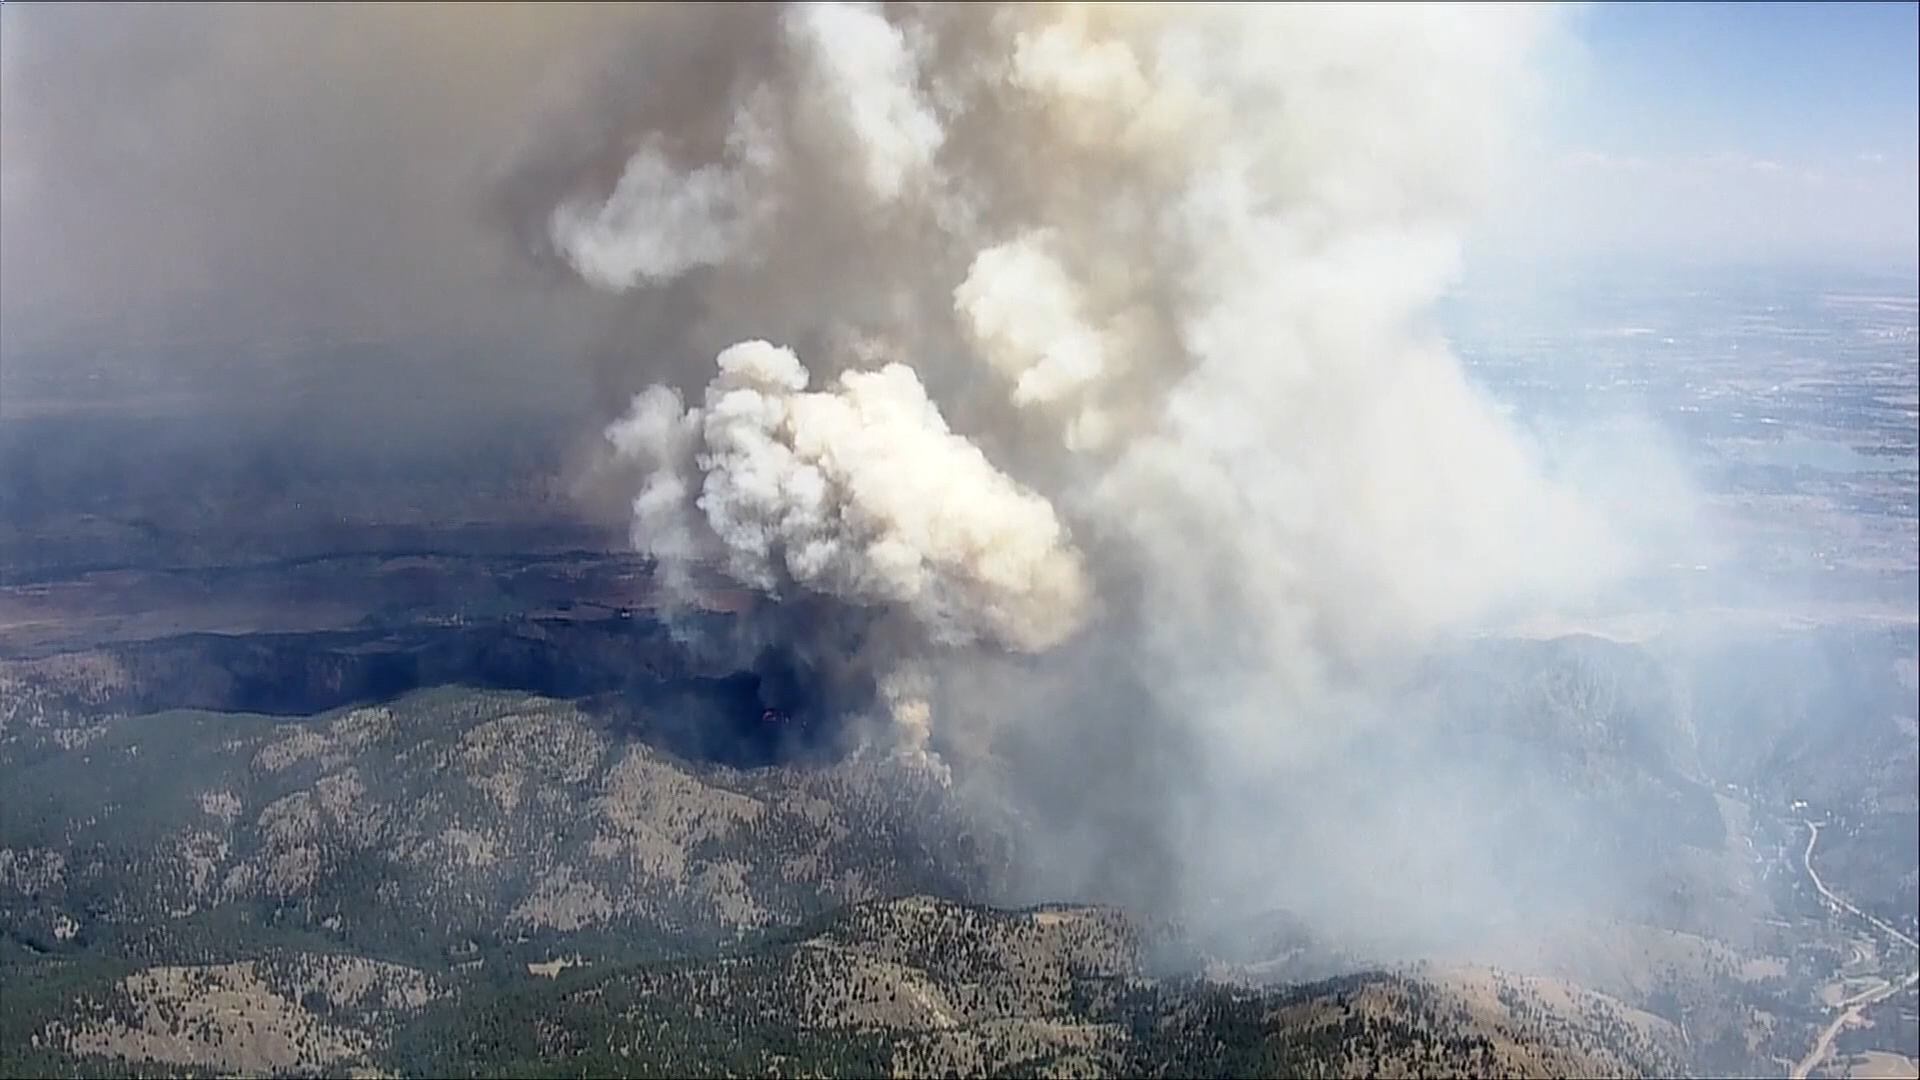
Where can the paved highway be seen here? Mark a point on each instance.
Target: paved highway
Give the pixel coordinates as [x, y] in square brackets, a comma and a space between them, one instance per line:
[1851, 1008]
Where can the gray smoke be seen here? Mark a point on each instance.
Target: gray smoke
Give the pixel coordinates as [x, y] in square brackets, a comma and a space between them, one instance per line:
[1070, 365]
[1092, 334]
[1169, 266]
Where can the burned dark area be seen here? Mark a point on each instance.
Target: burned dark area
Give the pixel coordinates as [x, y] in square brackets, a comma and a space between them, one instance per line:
[230, 573]
[760, 711]
[775, 711]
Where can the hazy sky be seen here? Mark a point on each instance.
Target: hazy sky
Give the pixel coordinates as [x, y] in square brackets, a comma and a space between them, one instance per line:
[1727, 131]
[331, 164]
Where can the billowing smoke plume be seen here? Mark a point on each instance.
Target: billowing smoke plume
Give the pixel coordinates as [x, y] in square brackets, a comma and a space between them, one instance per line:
[1041, 325]
[859, 492]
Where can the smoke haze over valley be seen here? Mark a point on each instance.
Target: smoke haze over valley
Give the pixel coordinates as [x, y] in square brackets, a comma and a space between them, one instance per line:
[613, 484]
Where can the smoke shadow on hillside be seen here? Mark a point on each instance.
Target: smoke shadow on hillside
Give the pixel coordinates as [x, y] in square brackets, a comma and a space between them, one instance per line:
[706, 705]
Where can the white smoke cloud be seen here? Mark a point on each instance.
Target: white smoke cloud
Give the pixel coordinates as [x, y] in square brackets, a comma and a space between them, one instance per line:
[657, 224]
[859, 84]
[859, 492]
[1166, 270]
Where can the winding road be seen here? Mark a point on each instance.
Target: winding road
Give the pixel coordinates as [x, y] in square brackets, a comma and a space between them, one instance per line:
[1813, 837]
[1850, 1008]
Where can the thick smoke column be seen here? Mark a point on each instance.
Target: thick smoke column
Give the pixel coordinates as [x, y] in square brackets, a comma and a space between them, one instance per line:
[860, 492]
[1035, 322]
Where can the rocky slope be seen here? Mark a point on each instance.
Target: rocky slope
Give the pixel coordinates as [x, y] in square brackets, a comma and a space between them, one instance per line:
[908, 987]
[474, 881]
[449, 820]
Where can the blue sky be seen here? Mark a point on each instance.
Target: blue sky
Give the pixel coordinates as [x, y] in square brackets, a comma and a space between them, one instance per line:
[1790, 81]
[1728, 131]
